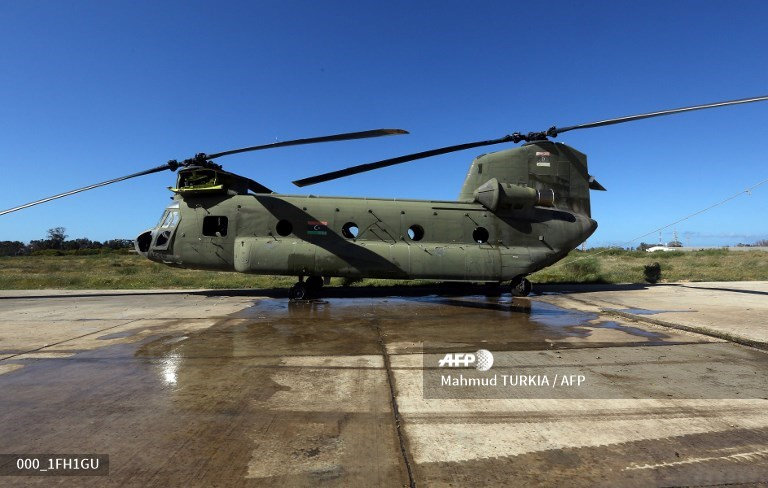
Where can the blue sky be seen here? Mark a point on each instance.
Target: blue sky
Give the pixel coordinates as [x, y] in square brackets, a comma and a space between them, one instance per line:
[92, 90]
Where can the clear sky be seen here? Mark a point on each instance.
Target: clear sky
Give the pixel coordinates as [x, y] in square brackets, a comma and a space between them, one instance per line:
[93, 90]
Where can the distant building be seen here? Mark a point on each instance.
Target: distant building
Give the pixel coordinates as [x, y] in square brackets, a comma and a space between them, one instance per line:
[661, 248]
[704, 248]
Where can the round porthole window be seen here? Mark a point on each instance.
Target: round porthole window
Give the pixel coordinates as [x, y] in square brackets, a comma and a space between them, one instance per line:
[350, 230]
[416, 232]
[480, 235]
[284, 228]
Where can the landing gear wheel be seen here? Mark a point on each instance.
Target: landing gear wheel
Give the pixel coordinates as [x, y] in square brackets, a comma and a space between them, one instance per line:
[520, 287]
[314, 282]
[299, 291]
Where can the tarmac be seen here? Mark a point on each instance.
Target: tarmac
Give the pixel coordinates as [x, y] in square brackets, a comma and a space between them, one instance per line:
[620, 385]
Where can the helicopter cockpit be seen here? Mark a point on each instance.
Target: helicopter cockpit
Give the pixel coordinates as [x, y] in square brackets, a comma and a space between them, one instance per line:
[159, 238]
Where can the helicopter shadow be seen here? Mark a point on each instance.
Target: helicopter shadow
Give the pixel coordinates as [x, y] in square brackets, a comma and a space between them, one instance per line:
[127, 293]
[727, 290]
[412, 291]
[576, 288]
[449, 290]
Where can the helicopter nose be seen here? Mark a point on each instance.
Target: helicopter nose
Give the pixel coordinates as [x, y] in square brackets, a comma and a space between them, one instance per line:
[143, 242]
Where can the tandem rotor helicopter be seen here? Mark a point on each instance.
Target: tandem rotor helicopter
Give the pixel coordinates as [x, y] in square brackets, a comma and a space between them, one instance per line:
[518, 211]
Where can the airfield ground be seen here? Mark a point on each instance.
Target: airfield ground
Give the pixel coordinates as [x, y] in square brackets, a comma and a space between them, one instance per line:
[204, 388]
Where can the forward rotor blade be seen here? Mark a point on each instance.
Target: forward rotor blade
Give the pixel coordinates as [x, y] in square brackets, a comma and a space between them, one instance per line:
[630, 118]
[314, 140]
[86, 188]
[362, 168]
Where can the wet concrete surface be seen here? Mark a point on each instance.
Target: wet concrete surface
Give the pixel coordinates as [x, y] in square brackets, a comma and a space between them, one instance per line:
[235, 389]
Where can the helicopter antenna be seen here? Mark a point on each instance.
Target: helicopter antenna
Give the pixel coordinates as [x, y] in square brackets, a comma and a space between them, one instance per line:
[514, 137]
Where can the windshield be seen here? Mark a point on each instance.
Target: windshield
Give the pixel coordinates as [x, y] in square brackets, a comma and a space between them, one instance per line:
[169, 219]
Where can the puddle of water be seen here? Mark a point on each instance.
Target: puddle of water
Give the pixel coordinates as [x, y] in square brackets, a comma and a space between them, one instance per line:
[499, 322]
[175, 340]
[234, 360]
[657, 337]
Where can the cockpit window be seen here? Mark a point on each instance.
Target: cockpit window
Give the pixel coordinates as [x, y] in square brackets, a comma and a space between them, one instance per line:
[166, 228]
[170, 219]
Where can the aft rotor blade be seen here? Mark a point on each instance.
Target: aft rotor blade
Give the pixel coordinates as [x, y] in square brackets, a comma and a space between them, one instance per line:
[630, 118]
[89, 187]
[362, 168]
[314, 140]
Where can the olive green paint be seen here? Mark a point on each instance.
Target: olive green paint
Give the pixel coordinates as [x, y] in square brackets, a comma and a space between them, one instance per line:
[470, 239]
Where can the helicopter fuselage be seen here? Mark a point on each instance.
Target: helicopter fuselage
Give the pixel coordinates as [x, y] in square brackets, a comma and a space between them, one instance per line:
[361, 237]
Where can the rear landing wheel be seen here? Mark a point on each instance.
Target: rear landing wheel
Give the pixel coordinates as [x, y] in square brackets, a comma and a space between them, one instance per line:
[520, 287]
[299, 291]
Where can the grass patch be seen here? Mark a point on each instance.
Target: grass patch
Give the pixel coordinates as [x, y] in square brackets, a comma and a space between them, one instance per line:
[130, 271]
[616, 266]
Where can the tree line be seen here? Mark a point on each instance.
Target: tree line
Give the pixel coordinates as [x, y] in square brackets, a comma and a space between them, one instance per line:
[57, 243]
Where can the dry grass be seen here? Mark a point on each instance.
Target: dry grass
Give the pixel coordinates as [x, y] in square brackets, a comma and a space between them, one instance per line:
[116, 271]
[616, 266]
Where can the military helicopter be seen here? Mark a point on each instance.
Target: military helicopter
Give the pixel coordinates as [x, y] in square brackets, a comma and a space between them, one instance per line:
[518, 211]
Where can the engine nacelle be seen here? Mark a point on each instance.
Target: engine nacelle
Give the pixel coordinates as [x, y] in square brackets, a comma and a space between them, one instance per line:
[495, 195]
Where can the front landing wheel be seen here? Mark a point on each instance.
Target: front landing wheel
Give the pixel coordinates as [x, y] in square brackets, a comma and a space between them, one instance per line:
[520, 287]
